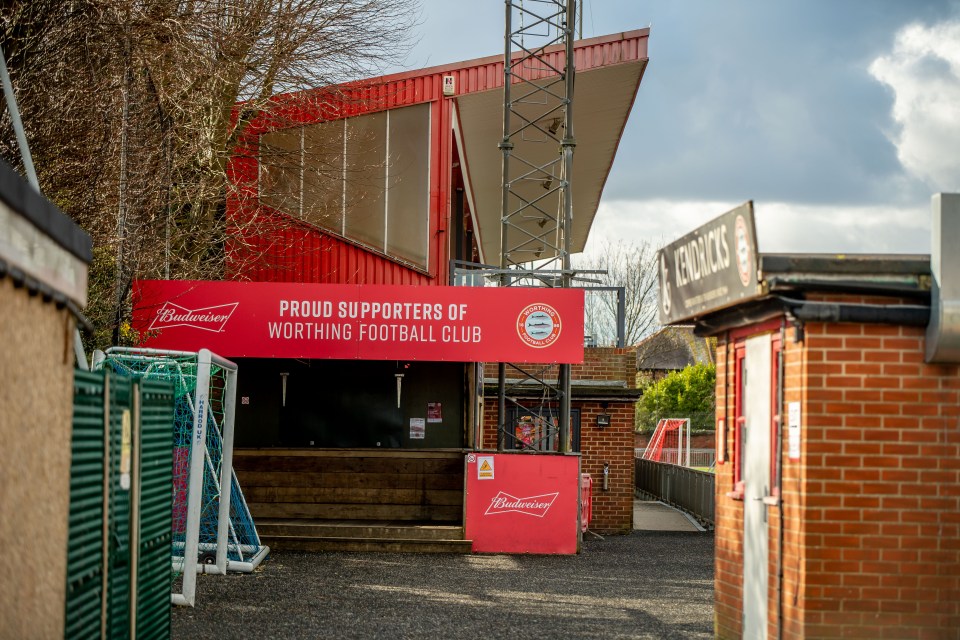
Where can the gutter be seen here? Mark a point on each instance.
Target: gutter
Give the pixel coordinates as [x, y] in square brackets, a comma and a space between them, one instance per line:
[898, 314]
[810, 311]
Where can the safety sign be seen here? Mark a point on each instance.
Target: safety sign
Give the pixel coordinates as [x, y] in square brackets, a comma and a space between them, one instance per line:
[485, 468]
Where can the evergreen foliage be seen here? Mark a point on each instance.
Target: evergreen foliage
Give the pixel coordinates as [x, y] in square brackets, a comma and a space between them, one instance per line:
[688, 393]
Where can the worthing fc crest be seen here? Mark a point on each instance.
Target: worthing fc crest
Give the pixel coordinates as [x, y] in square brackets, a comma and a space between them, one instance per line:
[538, 325]
[206, 319]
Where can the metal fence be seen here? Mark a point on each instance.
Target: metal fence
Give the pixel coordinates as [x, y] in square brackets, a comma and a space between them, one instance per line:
[118, 554]
[687, 489]
[700, 458]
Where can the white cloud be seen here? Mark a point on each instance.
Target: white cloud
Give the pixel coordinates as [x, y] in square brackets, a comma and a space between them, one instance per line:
[781, 227]
[923, 69]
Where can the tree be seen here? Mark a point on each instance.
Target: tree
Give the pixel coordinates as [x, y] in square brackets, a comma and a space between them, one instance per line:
[688, 393]
[131, 110]
[631, 266]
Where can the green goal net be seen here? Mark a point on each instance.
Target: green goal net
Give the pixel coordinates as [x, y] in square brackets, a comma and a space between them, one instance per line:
[213, 530]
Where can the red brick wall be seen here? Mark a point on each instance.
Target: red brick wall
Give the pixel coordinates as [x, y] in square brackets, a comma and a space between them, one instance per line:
[600, 363]
[613, 508]
[728, 514]
[872, 508]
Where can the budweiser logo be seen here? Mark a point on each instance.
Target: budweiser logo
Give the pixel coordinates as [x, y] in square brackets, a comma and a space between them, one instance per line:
[531, 506]
[207, 318]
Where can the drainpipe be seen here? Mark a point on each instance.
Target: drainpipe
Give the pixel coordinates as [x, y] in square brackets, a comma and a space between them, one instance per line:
[780, 396]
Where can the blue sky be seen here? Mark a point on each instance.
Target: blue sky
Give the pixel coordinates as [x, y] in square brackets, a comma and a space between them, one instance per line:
[839, 118]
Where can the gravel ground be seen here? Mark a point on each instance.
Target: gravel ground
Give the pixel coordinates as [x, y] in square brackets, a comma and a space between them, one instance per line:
[643, 585]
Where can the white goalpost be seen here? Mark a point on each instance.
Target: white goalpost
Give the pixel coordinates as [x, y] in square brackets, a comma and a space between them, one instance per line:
[213, 531]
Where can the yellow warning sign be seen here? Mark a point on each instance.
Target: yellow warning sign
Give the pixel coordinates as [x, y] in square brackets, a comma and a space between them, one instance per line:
[485, 468]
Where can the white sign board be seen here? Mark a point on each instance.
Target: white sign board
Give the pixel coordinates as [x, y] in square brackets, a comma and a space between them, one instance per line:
[418, 429]
[793, 433]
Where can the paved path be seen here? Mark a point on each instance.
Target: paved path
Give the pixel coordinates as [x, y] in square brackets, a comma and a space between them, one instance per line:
[656, 516]
[648, 584]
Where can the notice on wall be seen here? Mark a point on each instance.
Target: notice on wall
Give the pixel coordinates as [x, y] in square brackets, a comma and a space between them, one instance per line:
[418, 429]
[793, 430]
[485, 468]
[434, 412]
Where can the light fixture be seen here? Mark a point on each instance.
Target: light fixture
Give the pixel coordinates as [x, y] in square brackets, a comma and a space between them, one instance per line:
[603, 419]
[555, 126]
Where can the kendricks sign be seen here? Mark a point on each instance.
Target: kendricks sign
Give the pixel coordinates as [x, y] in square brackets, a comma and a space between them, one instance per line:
[711, 268]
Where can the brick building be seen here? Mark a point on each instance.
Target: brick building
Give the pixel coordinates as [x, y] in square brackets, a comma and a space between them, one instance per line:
[838, 499]
[602, 387]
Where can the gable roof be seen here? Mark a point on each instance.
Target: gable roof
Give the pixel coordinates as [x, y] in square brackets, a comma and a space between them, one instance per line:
[671, 349]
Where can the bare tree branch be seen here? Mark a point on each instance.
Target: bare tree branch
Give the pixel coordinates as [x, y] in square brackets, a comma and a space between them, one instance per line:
[632, 266]
[131, 112]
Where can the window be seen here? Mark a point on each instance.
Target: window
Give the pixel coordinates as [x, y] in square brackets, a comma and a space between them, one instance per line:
[530, 431]
[364, 178]
[280, 159]
[407, 185]
[323, 173]
[365, 211]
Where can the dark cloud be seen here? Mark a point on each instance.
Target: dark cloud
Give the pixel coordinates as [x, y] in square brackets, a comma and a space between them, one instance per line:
[769, 101]
[748, 99]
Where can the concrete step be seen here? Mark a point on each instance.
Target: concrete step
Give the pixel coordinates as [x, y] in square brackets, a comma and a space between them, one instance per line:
[379, 544]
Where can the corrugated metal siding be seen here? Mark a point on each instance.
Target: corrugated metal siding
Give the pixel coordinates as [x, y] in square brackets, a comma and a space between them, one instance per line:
[84, 546]
[85, 549]
[294, 252]
[156, 509]
[118, 509]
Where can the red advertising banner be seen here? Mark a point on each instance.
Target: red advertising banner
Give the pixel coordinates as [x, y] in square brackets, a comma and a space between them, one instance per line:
[522, 503]
[365, 322]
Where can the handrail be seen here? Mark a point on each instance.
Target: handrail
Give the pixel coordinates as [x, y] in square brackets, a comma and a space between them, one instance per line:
[687, 489]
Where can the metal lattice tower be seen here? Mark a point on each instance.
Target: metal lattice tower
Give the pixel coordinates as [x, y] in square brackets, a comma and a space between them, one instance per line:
[536, 205]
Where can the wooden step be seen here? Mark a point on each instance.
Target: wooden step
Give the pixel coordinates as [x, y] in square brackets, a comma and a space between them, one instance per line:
[341, 485]
[383, 536]
[328, 511]
[447, 497]
[346, 462]
[340, 480]
[383, 545]
[358, 529]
